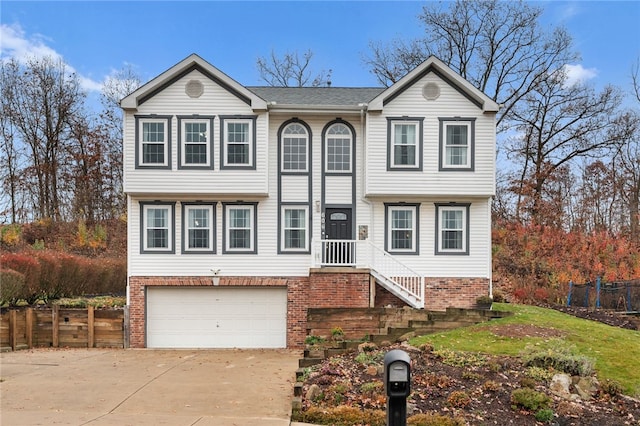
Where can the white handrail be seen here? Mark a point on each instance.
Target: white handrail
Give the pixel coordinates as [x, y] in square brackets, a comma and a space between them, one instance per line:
[363, 253]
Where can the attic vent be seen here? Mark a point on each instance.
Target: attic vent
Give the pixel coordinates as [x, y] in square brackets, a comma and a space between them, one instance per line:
[431, 91]
[194, 88]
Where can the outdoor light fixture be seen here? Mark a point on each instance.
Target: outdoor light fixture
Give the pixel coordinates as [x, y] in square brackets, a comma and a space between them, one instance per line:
[216, 278]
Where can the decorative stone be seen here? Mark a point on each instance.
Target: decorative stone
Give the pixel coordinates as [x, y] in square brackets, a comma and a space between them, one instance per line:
[313, 392]
[560, 385]
[586, 387]
[367, 347]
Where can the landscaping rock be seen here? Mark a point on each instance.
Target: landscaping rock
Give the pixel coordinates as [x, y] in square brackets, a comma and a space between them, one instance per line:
[586, 387]
[313, 392]
[560, 385]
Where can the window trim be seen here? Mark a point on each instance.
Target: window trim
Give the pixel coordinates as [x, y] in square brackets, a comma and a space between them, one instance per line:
[212, 228]
[224, 120]
[325, 139]
[184, 119]
[253, 249]
[391, 122]
[465, 208]
[171, 234]
[470, 122]
[139, 120]
[281, 137]
[282, 229]
[388, 208]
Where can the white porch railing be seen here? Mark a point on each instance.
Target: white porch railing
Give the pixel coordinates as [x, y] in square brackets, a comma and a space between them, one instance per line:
[392, 274]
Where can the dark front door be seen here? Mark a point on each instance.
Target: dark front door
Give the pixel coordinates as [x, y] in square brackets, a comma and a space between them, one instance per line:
[338, 226]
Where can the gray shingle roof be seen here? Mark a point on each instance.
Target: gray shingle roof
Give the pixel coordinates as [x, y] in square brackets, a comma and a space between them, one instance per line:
[335, 96]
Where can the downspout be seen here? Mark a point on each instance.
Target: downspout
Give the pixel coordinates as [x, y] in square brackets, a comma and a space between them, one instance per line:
[363, 108]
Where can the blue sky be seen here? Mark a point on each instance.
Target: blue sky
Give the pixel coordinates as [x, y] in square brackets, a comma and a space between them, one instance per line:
[97, 38]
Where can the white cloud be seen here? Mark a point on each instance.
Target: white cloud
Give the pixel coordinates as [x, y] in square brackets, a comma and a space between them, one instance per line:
[579, 74]
[15, 44]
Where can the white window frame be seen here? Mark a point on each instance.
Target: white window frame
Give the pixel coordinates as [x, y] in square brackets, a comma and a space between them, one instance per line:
[286, 136]
[389, 211]
[464, 229]
[250, 143]
[392, 161]
[284, 229]
[186, 209]
[252, 208]
[208, 121]
[141, 143]
[169, 227]
[445, 124]
[341, 137]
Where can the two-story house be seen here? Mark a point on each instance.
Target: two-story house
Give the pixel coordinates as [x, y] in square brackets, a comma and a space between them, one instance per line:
[249, 205]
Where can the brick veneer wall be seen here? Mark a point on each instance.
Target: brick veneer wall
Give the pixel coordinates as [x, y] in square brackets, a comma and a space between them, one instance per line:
[442, 293]
[339, 287]
[384, 298]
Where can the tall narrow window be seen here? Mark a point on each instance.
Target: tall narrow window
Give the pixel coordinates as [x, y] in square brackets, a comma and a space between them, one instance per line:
[157, 226]
[402, 228]
[153, 142]
[295, 142]
[404, 143]
[452, 225]
[238, 142]
[338, 146]
[198, 228]
[294, 228]
[456, 144]
[195, 142]
[240, 228]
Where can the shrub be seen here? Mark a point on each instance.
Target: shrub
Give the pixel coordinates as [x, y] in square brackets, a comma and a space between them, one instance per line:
[12, 288]
[337, 333]
[530, 399]
[343, 416]
[372, 387]
[434, 420]
[498, 296]
[539, 374]
[314, 340]
[10, 235]
[544, 415]
[491, 386]
[560, 357]
[611, 387]
[459, 399]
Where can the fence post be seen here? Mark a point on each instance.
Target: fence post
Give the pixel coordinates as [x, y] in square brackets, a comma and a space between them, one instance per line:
[628, 285]
[90, 327]
[597, 292]
[55, 323]
[586, 294]
[29, 327]
[13, 329]
[570, 292]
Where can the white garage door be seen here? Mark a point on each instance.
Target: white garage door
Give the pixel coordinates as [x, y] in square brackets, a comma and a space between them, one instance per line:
[221, 317]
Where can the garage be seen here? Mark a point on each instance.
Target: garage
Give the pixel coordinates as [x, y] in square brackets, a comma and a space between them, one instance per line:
[220, 317]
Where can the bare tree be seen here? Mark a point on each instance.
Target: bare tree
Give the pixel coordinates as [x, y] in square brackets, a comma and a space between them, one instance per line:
[42, 96]
[559, 123]
[291, 70]
[498, 46]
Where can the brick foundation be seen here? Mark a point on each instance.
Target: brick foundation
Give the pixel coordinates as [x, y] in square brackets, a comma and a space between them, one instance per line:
[442, 293]
[323, 288]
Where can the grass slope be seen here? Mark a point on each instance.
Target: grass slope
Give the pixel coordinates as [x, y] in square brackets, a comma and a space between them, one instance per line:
[615, 351]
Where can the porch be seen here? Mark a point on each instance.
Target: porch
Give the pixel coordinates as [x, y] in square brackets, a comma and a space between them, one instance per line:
[390, 273]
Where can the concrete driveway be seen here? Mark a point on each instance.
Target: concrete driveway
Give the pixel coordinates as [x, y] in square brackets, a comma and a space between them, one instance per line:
[147, 387]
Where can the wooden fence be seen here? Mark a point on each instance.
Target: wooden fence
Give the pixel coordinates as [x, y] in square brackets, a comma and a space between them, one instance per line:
[27, 328]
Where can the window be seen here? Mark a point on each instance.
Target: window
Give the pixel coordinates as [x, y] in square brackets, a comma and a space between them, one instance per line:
[153, 141]
[195, 142]
[294, 229]
[238, 142]
[198, 228]
[404, 143]
[457, 143]
[402, 228]
[452, 236]
[240, 228]
[295, 142]
[338, 146]
[157, 227]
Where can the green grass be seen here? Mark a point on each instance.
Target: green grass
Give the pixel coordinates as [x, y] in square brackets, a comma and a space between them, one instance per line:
[616, 351]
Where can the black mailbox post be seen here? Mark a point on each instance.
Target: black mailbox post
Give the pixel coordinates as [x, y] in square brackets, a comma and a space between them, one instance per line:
[397, 384]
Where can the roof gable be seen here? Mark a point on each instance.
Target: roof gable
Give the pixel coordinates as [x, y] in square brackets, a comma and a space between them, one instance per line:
[436, 66]
[191, 63]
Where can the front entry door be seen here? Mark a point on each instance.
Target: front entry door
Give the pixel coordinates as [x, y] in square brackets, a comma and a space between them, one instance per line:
[339, 226]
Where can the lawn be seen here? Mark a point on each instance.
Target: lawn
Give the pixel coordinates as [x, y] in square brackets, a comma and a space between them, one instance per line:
[615, 351]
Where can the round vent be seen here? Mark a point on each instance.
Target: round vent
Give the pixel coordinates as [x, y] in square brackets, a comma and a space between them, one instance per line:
[431, 91]
[194, 89]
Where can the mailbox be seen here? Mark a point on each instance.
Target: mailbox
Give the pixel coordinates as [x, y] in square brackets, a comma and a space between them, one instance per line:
[397, 373]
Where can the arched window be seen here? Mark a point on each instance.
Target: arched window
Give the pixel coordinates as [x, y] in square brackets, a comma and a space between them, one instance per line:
[295, 148]
[338, 145]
